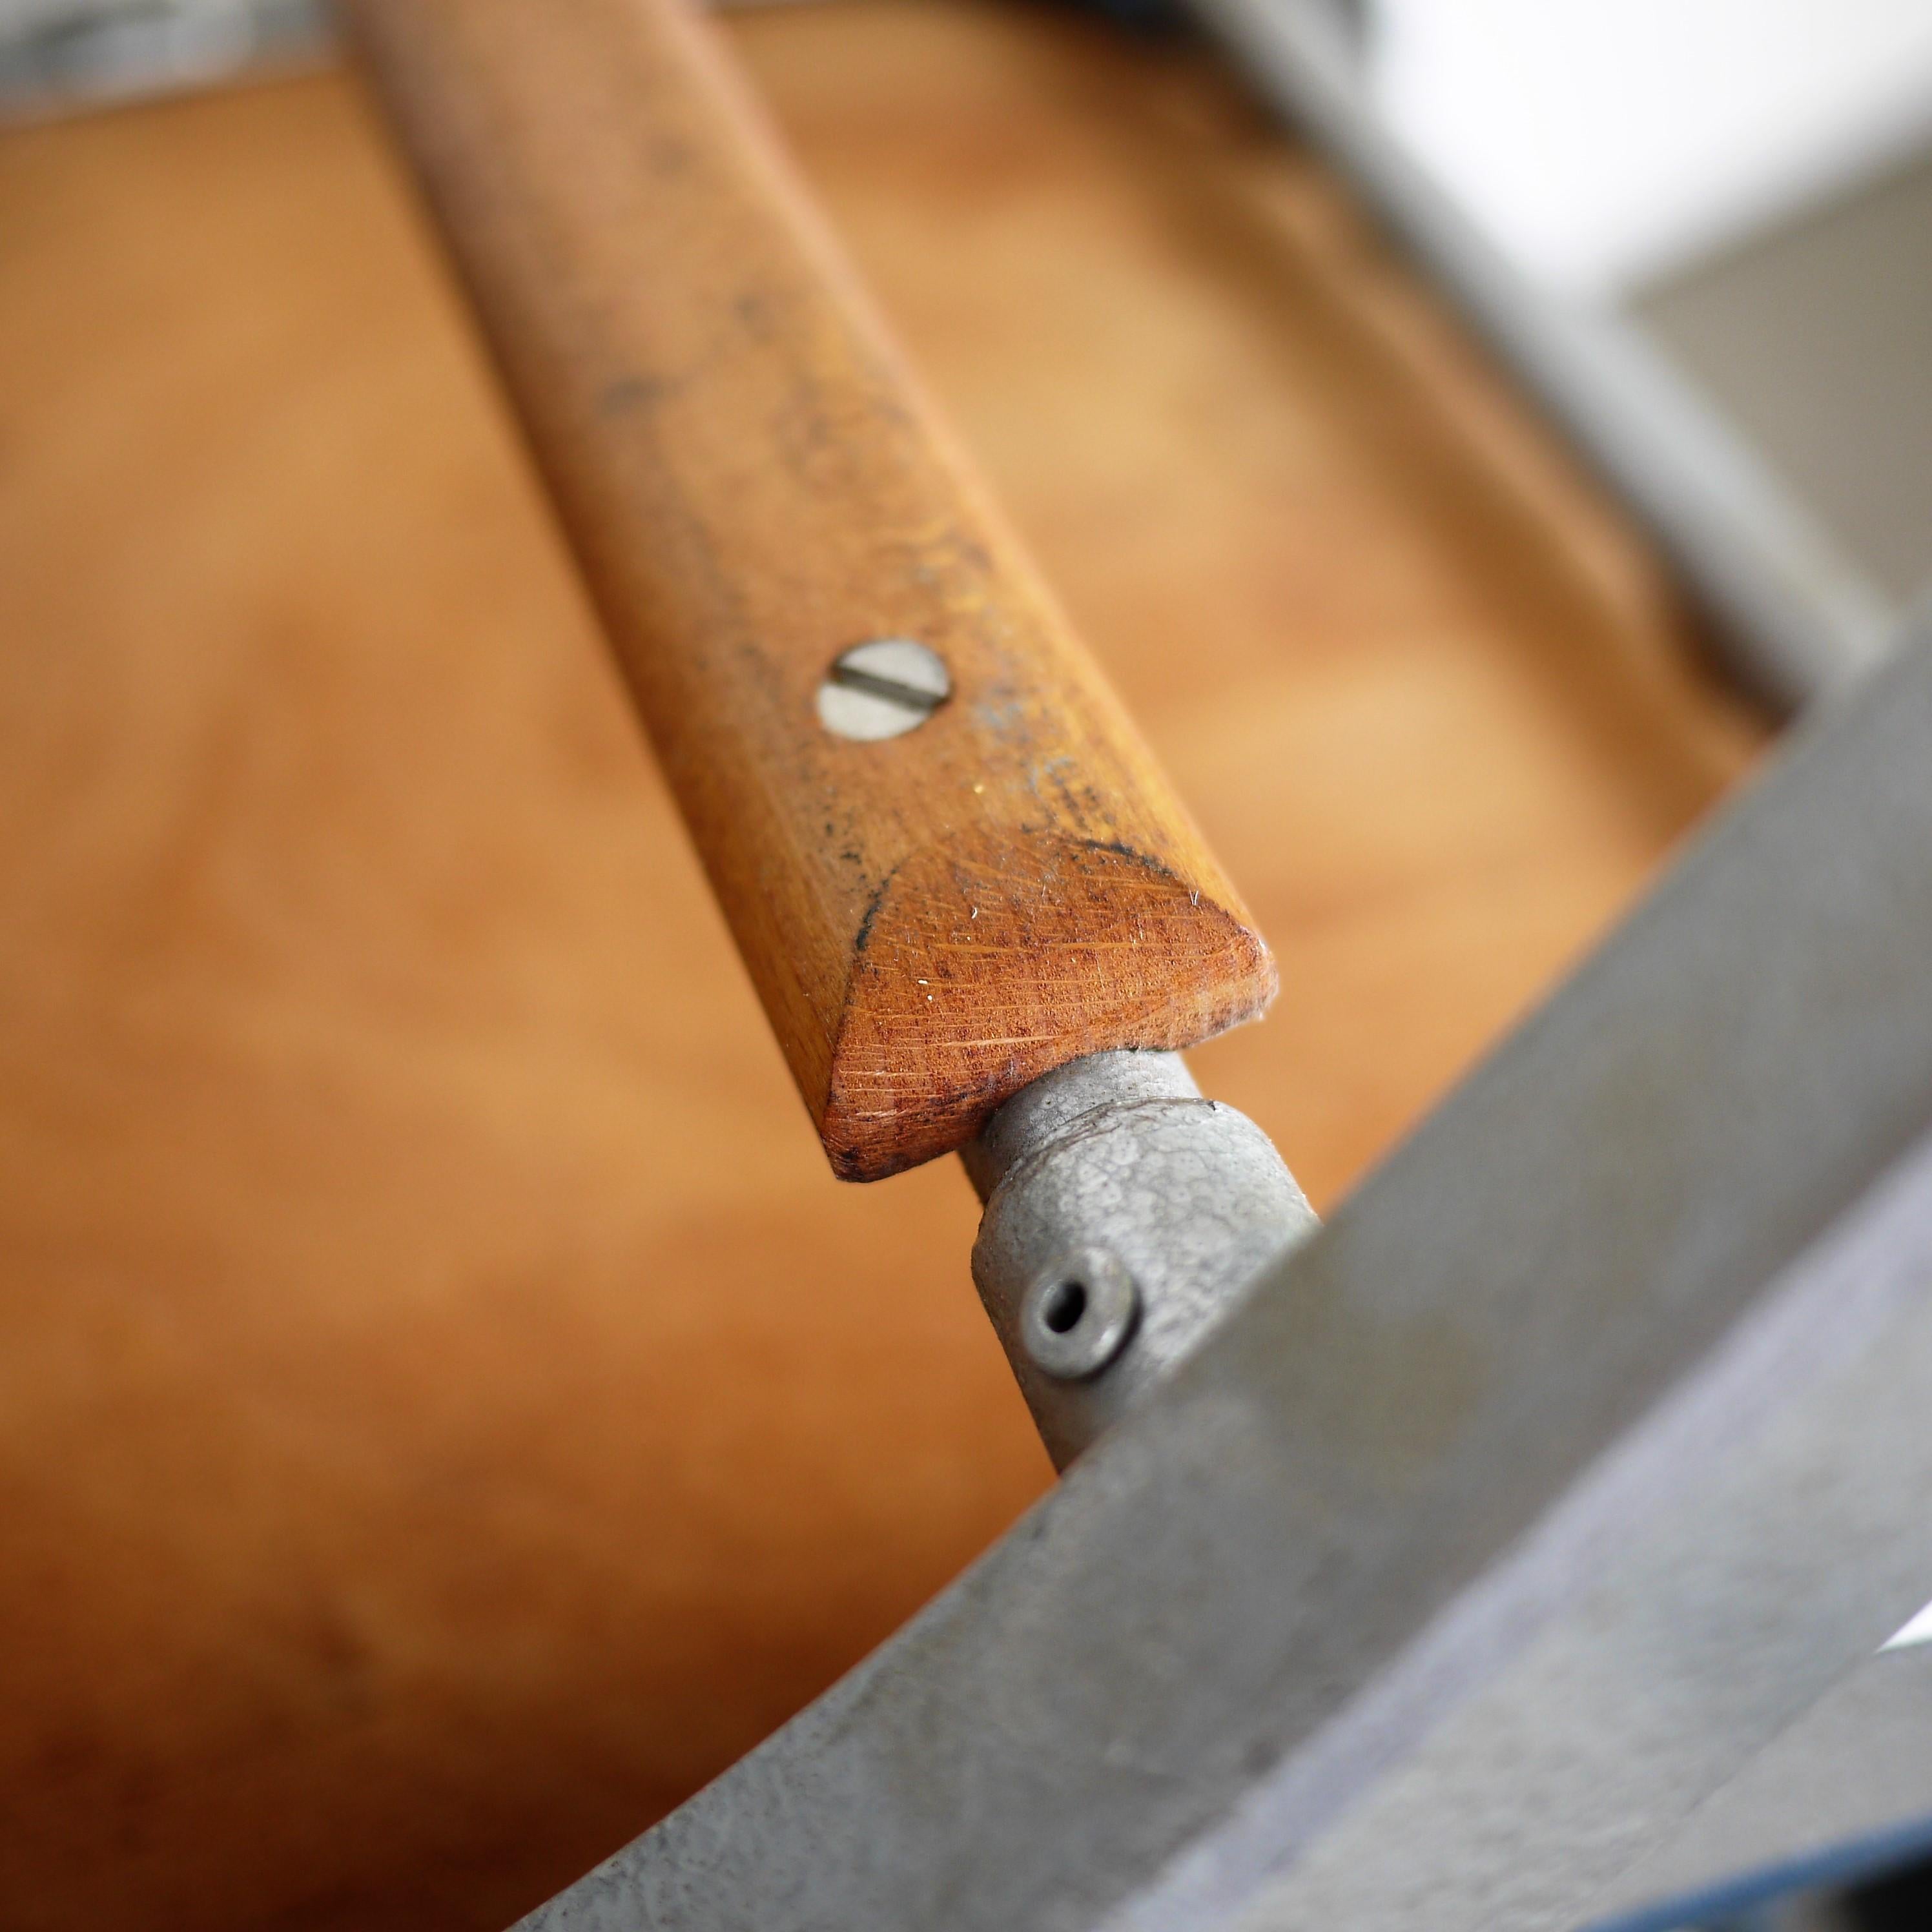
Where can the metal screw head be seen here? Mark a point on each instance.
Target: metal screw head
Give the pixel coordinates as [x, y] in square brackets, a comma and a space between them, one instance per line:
[880, 689]
[1076, 1317]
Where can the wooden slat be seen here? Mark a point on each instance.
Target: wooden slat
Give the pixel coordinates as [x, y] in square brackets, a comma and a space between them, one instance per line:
[754, 485]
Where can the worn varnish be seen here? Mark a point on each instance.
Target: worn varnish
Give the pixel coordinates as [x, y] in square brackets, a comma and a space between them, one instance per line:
[448, 1410]
[755, 484]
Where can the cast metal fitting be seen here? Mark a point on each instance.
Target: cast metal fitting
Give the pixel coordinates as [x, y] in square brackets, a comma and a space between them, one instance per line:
[1124, 1216]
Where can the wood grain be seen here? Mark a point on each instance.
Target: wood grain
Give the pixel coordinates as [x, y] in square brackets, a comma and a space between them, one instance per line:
[754, 483]
[447, 1409]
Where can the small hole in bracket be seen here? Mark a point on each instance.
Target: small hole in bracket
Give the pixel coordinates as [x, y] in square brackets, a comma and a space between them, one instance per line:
[1065, 1303]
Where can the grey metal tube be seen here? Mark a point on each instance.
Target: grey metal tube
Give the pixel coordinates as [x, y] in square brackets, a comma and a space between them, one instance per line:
[1125, 1215]
[1791, 618]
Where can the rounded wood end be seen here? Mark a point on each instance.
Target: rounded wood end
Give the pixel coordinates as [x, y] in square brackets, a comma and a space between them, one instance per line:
[981, 968]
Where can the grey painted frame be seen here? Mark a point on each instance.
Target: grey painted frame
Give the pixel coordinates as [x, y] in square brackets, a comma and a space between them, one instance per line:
[1540, 1357]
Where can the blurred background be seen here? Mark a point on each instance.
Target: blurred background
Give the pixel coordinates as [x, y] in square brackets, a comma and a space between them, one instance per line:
[448, 1412]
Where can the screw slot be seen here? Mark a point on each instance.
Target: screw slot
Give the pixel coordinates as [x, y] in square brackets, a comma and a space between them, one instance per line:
[880, 689]
[1077, 1317]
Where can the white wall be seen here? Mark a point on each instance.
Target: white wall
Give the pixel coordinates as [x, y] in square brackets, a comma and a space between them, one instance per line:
[1602, 141]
